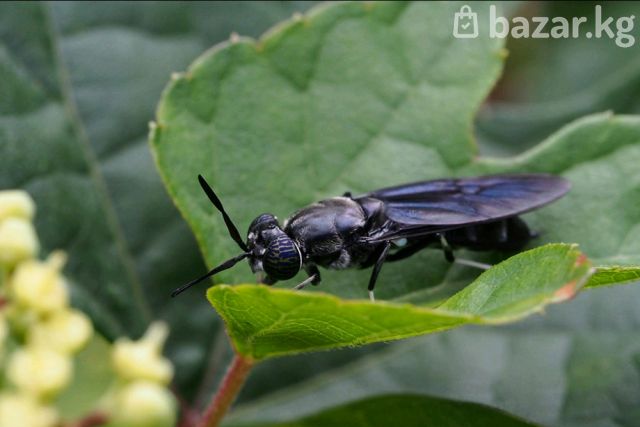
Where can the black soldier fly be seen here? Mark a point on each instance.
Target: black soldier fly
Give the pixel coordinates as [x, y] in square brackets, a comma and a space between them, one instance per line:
[391, 224]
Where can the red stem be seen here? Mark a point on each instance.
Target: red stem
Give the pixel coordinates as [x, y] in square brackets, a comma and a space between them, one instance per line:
[231, 385]
[188, 416]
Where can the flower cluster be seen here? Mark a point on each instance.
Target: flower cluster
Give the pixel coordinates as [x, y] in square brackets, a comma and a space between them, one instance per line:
[40, 334]
[34, 311]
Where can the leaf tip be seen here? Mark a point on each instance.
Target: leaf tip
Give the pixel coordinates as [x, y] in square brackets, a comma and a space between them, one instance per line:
[566, 292]
[581, 260]
[571, 288]
[216, 289]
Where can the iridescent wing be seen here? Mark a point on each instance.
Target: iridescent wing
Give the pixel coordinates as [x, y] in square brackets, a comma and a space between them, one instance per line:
[432, 206]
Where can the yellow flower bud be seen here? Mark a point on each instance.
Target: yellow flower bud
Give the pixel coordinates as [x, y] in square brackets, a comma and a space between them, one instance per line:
[144, 404]
[18, 241]
[39, 371]
[142, 360]
[40, 286]
[16, 204]
[24, 410]
[65, 331]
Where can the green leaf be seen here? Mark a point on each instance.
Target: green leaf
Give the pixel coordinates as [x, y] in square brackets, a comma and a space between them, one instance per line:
[607, 276]
[405, 410]
[265, 323]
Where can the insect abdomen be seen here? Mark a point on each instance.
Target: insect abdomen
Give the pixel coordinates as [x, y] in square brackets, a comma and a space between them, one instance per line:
[510, 234]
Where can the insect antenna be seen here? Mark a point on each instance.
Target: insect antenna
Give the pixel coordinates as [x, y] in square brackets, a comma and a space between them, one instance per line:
[233, 230]
[224, 266]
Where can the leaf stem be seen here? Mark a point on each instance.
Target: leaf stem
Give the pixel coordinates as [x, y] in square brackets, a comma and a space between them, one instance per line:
[231, 385]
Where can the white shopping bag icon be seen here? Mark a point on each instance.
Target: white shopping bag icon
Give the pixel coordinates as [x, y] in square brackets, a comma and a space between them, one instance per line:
[465, 23]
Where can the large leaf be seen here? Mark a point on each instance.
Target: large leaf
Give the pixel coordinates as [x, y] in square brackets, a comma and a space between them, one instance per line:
[352, 97]
[274, 130]
[204, 133]
[264, 323]
[413, 410]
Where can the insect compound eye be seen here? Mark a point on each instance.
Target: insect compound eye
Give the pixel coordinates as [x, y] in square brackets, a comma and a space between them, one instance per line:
[262, 222]
[282, 260]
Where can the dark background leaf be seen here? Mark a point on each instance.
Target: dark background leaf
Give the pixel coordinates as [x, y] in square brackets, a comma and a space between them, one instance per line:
[549, 82]
[416, 411]
[44, 151]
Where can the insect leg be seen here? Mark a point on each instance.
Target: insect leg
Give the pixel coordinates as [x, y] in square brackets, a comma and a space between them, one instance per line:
[448, 254]
[376, 269]
[312, 270]
[305, 282]
[471, 263]
[314, 277]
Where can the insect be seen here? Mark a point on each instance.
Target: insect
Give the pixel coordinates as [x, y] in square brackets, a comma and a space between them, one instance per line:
[391, 224]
